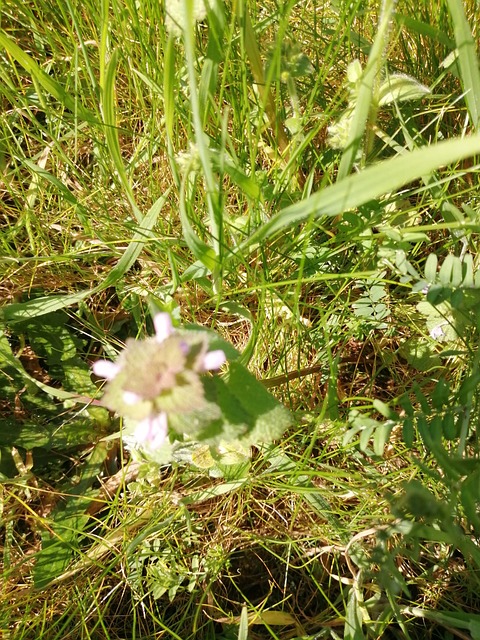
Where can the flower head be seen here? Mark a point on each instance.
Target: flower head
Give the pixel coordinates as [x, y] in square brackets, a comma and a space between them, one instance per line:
[176, 20]
[158, 376]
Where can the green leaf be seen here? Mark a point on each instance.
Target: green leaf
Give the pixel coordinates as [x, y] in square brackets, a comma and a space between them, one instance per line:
[60, 542]
[408, 432]
[354, 617]
[271, 419]
[450, 426]
[398, 87]
[52, 341]
[243, 626]
[7, 359]
[441, 394]
[431, 265]
[452, 619]
[237, 409]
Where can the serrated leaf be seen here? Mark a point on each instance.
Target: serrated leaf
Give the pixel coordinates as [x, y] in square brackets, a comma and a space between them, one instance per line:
[271, 419]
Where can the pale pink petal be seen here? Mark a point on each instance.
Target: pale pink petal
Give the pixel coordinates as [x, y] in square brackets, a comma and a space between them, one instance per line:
[105, 369]
[152, 431]
[214, 360]
[163, 326]
[129, 397]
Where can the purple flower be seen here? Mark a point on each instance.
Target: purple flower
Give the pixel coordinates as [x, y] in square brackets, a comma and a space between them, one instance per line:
[157, 376]
[152, 431]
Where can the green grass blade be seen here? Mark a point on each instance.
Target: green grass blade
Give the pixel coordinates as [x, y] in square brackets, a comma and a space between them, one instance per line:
[371, 183]
[50, 85]
[424, 29]
[111, 132]
[467, 60]
[47, 304]
[365, 109]
[201, 140]
[140, 238]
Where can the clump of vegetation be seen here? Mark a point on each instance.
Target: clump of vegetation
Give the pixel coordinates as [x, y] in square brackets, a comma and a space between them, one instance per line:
[294, 188]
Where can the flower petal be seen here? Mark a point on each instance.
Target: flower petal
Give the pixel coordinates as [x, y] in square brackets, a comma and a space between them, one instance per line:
[214, 360]
[130, 397]
[152, 431]
[105, 369]
[163, 326]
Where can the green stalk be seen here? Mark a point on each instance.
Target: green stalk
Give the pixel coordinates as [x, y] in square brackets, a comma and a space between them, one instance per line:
[256, 66]
[467, 60]
[366, 107]
[201, 140]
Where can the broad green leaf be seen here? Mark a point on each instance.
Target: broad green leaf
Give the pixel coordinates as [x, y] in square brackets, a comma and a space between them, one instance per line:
[52, 341]
[8, 359]
[271, 418]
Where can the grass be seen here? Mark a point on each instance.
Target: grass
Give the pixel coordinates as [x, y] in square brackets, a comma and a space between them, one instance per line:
[196, 176]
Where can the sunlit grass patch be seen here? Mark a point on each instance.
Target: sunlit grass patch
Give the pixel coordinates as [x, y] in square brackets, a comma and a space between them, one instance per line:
[141, 171]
